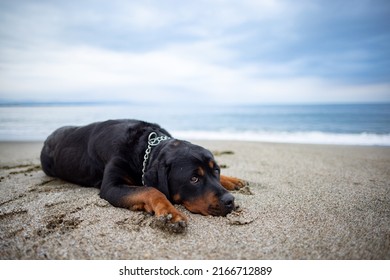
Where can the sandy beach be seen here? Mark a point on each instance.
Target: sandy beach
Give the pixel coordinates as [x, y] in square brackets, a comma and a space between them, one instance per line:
[303, 202]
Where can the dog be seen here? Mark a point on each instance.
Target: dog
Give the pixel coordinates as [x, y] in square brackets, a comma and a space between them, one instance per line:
[139, 166]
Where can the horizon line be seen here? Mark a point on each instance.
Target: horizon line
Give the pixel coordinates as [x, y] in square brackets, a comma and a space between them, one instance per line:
[37, 103]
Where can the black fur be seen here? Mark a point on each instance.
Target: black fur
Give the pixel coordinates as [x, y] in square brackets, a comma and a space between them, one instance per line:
[109, 155]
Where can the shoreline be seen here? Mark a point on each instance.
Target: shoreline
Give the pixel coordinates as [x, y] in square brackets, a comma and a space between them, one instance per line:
[306, 201]
[282, 137]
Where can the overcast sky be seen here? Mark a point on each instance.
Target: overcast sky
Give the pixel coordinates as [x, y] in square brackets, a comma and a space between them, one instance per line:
[195, 51]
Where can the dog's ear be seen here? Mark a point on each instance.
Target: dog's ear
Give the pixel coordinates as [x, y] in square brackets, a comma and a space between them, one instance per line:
[157, 176]
[162, 184]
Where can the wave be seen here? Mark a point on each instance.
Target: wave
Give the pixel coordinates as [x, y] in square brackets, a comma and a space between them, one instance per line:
[311, 137]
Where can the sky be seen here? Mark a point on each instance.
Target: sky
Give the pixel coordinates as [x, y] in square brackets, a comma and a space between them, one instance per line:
[195, 52]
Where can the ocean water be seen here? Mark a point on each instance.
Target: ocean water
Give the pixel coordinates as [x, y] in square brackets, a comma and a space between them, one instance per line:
[347, 124]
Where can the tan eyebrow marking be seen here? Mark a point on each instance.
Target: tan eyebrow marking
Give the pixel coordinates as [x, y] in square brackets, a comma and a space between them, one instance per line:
[201, 171]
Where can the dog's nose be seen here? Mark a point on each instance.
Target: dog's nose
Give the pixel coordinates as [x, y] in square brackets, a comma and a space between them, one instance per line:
[228, 201]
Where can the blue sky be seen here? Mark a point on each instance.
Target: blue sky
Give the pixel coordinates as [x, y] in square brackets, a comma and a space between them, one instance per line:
[195, 51]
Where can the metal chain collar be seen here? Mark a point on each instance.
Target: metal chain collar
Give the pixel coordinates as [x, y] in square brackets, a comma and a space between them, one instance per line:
[153, 140]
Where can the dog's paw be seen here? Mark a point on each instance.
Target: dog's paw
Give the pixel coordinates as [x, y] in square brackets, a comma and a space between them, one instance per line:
[232, 183]
[171, 224]
[239, 183]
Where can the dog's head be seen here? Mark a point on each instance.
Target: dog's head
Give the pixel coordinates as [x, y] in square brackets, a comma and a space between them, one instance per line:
[188, 174]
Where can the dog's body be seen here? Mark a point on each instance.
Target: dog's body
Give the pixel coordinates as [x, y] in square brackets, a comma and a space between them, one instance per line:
[111, 156]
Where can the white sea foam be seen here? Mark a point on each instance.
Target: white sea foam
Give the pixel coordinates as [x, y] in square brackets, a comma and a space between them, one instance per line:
[314, 137]
[339, 124]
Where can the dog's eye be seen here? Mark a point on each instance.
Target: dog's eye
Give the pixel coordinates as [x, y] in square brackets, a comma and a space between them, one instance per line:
[216, 172]
[194, 180]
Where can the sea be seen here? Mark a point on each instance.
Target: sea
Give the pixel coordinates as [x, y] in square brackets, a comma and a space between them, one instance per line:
[334, 124]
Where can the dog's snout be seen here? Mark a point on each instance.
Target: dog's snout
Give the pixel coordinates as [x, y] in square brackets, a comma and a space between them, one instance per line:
[228, 201]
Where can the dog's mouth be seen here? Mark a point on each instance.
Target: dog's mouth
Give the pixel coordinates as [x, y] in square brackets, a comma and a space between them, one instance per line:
[219, 211]
[225, 205]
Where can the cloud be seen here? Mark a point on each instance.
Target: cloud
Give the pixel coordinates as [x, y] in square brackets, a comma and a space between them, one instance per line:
[170, 74]
[225, 52]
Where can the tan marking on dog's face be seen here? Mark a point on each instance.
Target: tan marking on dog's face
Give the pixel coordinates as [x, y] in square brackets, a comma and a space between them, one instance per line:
[202, 204]
[201, 171]
[211, 164]
[176, 143]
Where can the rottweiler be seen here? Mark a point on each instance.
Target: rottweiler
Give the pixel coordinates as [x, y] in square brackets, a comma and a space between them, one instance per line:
[140, 166]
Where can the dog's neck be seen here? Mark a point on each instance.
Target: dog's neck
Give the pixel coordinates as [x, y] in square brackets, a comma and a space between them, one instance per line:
[153, 141]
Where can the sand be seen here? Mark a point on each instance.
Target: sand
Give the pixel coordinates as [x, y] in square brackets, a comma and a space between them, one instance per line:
[303, 202]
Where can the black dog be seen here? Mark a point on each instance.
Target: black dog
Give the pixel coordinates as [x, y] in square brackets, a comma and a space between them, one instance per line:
[137, 165]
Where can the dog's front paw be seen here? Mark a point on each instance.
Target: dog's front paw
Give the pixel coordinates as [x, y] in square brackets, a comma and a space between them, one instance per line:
[232, 183]
[171, 224]
[170, 219]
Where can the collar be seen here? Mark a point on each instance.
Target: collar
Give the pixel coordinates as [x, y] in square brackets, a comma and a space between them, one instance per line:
[153, 140]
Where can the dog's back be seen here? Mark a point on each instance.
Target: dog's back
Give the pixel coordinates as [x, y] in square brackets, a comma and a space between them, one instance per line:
[50, 148]
[65, 155]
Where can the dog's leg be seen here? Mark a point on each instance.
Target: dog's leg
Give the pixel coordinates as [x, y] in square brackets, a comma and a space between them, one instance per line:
[232, 183]
[117, 189]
